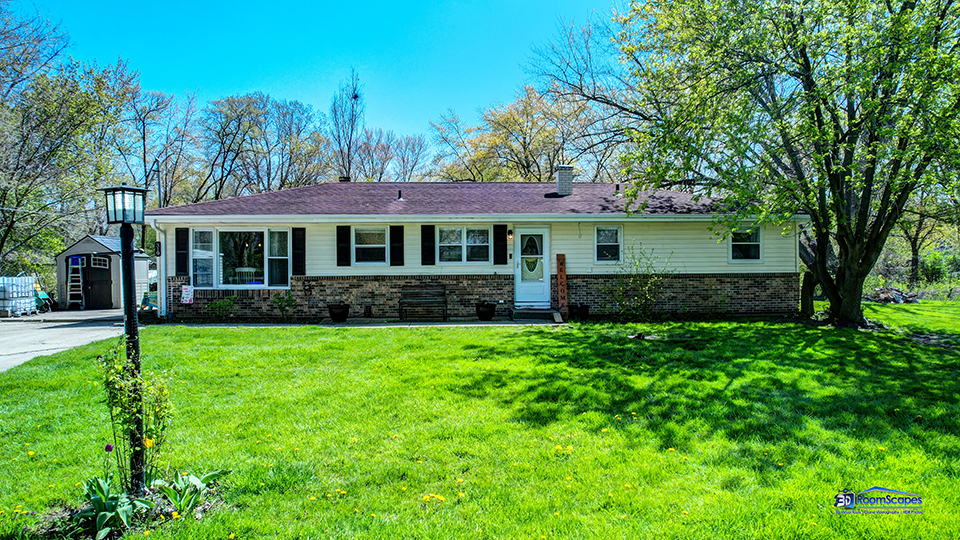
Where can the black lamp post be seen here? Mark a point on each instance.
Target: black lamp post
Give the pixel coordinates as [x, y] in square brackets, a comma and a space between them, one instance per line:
[125, 205]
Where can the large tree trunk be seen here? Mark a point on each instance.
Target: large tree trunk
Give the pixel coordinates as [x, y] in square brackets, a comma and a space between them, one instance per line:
[914, 261]
[808, 285]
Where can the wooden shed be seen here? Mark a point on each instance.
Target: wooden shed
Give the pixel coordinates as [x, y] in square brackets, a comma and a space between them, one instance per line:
[89, 274]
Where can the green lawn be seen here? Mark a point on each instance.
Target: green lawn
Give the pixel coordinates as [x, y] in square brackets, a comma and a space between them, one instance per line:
[713, 430]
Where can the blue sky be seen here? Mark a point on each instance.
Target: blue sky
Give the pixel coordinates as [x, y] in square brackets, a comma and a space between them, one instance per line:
[415, 59]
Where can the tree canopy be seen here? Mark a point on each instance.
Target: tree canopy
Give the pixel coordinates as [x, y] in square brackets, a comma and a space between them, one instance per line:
[839, 110]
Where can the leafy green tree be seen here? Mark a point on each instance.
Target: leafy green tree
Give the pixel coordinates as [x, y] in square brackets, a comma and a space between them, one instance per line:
[836, 109]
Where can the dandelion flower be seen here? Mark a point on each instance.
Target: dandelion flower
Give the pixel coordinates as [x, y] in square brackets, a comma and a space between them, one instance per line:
[426, 497]
[176, 515]
[671, 449]
[569, 478]
[558, 447]
[881, 448]
[148, 443]
[685, 512]
[461, 494]
[313, 498]
[231, 536]
[872, 469]
[404, 488]
[604, 430]
[146, 533]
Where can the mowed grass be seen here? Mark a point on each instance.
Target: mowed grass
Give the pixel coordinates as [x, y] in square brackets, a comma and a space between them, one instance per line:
[711, 430]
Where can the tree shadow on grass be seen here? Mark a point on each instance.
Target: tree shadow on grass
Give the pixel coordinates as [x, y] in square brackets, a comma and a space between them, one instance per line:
[744, 381]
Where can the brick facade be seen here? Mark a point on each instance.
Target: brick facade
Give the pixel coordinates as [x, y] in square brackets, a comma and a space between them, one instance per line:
[681, 293]
[381, 294]
[697, 293]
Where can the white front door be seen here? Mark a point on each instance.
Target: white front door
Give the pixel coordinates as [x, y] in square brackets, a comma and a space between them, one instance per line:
[531, 257]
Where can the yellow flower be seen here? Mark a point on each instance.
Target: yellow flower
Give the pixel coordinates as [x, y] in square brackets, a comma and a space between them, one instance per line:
[148, 443]
[461, 494]
[569, 448]
[231, 536]
[685, 512]
[30, 453]
[881, 448]
[404, 488]
[146, 533]
[556, 513]
[671, 450]
[313, 498]
[176, 515]
[872, 469]
[426, 497]
[604, 430]
[558, 447]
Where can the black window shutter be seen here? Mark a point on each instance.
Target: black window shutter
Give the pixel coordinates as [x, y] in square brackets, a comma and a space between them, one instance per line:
[299, 251]
[343, 245]
[182, 236]
[428, 245]
[499, 244]
[396, 245]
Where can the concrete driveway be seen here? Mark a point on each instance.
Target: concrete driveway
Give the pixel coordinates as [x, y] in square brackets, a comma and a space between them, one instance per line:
[25, 338]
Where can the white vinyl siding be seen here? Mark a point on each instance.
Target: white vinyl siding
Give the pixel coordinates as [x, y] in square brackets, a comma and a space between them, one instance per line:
[686, 247]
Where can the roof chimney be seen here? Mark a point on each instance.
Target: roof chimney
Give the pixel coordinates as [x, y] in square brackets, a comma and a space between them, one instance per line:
[344, 178]
[564, 180]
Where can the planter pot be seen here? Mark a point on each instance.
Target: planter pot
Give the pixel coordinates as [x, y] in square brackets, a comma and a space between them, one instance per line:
[580, 312]
[338, 312]
[486, 310]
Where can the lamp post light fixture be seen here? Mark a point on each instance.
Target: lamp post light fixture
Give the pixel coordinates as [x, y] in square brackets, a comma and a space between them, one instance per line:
[125, 205]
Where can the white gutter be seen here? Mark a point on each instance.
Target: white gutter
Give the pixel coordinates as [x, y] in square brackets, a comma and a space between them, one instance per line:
[395, 218]
[161, 269]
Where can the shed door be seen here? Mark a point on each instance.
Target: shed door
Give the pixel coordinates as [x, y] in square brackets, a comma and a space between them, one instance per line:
[98, 283]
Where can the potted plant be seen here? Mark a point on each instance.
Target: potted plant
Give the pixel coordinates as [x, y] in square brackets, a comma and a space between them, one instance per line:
[486, 310]
[579, 312]
[338, 312]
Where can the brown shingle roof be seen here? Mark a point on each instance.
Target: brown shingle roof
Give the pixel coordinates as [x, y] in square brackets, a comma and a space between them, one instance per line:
[432, 198]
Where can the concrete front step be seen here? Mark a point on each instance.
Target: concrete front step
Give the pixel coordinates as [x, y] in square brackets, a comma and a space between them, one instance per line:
[536, 315]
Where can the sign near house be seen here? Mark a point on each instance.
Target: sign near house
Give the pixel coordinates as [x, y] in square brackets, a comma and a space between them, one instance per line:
[186, 295]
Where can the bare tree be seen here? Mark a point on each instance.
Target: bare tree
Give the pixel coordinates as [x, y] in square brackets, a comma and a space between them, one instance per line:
[375, 152]
[410, 158]
[460, 153]
[226, 128]
[28, 47]
[346, 123]
[287, 148]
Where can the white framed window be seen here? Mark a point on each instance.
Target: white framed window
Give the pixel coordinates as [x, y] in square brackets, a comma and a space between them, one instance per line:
[240, 258]
[369, 245]
[609, 244]
[202, 255]
[463, 244]
[278, 260]
[745, 246]
[99, 262]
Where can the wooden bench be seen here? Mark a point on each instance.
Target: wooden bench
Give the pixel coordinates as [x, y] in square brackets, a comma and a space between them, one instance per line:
[430, 296]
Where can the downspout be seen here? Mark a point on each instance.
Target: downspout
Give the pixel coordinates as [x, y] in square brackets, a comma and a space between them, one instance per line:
[161, 268]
